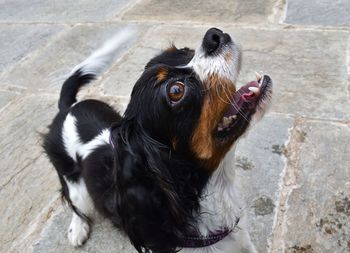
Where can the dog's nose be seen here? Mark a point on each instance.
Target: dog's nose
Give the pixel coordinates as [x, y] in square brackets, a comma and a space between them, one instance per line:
[214, 39]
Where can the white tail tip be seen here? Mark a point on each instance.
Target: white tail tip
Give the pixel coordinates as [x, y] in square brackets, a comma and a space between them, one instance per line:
[99, 60]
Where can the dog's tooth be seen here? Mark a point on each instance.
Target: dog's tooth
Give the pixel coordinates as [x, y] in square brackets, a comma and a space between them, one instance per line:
[233, 117]
[227, 121]
[261, 82]
[254, 89]
[220, 128]
[258, 76]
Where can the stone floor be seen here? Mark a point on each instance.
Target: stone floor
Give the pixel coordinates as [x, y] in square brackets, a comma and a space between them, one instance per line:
[294, 167]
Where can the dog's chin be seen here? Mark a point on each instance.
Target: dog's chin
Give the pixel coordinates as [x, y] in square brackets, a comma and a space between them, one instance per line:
[247, 105]
[226, 113]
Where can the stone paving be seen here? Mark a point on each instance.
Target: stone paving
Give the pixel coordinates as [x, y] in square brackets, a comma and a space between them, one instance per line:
[293, 168]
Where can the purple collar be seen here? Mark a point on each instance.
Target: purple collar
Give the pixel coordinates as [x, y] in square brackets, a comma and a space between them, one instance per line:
[199, 241]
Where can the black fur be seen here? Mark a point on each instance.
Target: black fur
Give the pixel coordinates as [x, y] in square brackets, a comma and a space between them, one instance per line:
[71, 87]
[144, 185]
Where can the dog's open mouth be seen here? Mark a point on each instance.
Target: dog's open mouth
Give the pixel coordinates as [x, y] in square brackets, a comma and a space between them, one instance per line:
[243, 105]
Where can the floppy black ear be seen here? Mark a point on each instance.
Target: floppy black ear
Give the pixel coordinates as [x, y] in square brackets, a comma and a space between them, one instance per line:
[157, 194]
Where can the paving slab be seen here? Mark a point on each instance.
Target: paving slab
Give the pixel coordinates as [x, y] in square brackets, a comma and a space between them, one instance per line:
[26, 180]
[260, 162]
[49, 67]
[103, 238]
[318, 209]
[6, 97]
[26, 38]
[239, 11]
[42, 40]
[123, 76]
[315, 12]
[60, 11]
[309, 68]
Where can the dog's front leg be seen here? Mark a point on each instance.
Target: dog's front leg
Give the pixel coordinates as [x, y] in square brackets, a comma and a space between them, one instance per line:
[242, 238]
[247, 243]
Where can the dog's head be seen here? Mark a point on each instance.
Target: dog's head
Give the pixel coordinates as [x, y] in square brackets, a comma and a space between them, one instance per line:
[189, 100]
[184, 115]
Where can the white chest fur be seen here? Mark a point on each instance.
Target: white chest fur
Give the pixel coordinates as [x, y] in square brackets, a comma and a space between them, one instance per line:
[221, 207]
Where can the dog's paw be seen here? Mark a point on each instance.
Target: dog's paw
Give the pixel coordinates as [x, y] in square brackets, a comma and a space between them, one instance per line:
[78, 231]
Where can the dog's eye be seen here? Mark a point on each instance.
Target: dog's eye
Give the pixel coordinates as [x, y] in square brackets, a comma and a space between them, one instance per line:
[176, 91]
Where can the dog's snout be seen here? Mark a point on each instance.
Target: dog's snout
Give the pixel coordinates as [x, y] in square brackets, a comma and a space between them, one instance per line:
[214, 39]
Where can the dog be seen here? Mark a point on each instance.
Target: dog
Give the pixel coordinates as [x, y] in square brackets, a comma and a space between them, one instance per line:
[162, 172]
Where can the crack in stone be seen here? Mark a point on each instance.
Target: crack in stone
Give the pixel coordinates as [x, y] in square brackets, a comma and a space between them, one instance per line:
[289, 183]
[278, 12]
[348, 64]
[30, 163]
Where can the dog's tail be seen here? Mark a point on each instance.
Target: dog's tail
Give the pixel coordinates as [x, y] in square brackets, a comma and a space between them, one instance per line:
[89, 69]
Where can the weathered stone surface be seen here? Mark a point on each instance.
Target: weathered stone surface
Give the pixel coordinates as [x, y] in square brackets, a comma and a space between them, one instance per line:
[318, 213]
[162, 37]
[5, 97]
[21, 124]
[124, 76]
[104, 238]
[258, 172]
[27, 180]
[26, 38]
[58, 11]
[50, 67]
[315, 12]
[310, 73]
[309, 68]
[253, 11]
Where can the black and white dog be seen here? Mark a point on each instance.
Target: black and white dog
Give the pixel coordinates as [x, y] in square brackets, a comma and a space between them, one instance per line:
[163, 172]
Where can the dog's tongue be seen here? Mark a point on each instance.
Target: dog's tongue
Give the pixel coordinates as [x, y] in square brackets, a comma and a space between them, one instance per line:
[241, 96]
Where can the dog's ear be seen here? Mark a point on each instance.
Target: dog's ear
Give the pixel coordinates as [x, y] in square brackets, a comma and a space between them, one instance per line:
[154, 209]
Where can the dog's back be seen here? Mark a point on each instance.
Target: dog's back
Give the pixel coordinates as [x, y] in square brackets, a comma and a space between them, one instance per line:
[77, 143]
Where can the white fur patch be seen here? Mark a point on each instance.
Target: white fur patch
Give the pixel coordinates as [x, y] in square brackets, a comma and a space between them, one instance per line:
[78, 231]
[221, 205]
[80, 197]
[73, 144]
[99, 140]
[225, 65]
[220, 208]
[70, 136]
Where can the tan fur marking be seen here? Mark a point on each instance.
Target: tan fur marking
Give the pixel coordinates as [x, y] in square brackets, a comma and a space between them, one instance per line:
[215, 104]
[162, 74]
[172, 48]
[174, 143]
